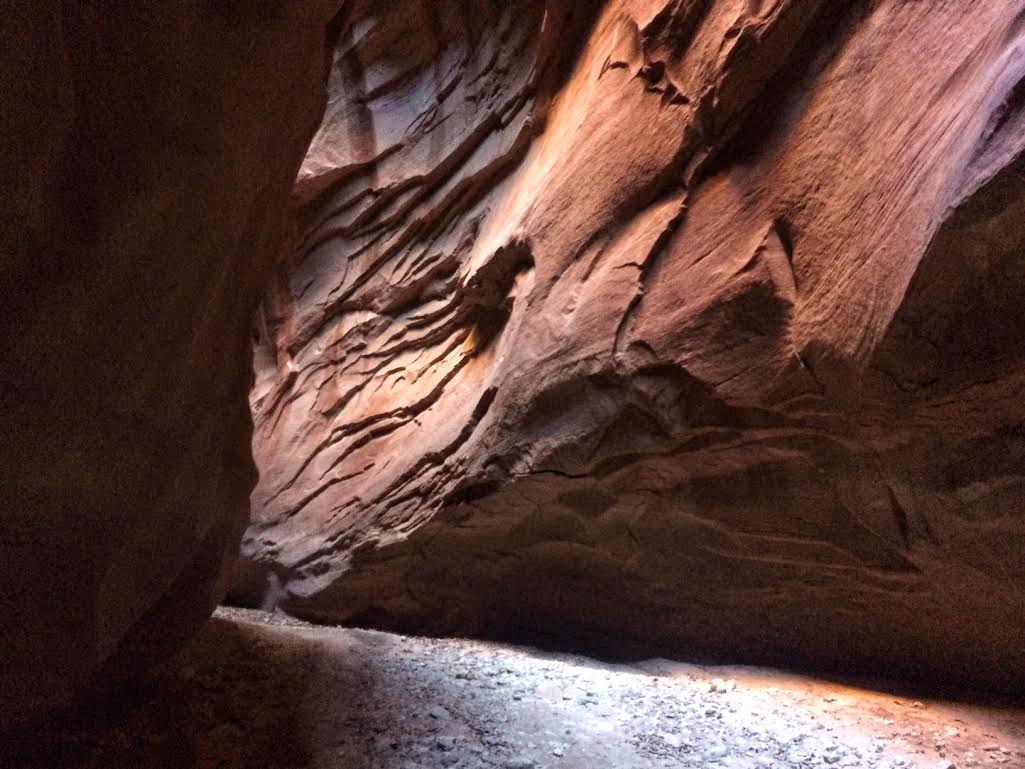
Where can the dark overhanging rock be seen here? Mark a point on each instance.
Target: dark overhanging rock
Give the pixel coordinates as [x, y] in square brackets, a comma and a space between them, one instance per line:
[149, 151]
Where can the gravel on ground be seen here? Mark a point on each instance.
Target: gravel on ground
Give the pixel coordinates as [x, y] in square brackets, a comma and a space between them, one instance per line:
[266, 690]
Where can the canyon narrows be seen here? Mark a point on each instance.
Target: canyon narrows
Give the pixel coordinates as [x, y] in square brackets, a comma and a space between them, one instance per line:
[682, 325]
[679, 327]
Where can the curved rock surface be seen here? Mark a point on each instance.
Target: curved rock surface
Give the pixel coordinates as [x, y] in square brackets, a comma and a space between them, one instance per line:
[148, 155]
[680, 323]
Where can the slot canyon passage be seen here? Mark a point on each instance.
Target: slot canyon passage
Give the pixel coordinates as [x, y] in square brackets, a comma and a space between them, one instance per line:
[684, 334]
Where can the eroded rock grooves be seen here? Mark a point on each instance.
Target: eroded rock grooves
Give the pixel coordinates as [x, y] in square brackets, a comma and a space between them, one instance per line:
[681, 323]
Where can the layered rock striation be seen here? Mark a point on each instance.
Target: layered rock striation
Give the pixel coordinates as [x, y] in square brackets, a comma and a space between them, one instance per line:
[682, 324]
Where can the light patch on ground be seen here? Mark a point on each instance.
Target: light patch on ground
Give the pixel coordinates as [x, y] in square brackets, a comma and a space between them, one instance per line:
[264, 690]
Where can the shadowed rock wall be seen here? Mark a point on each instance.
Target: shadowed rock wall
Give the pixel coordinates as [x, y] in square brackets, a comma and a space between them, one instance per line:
[148, 152]
[692, 325]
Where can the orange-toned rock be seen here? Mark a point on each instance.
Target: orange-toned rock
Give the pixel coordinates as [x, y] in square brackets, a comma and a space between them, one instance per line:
[681, 324]
[148, 154]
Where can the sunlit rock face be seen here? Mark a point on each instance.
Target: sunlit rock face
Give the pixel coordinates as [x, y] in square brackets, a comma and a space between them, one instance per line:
[148, 154]
[683, 325]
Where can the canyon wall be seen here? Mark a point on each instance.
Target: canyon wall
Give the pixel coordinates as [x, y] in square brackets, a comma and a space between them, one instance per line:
[148, 153]
[673, 325]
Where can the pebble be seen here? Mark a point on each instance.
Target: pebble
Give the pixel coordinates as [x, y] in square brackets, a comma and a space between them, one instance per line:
[716, 753]
[672, 740]
[444, 742]
[720, 686]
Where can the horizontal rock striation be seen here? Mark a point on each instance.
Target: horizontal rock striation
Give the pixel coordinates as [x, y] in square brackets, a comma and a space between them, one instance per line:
[148, 153]
[659, 324]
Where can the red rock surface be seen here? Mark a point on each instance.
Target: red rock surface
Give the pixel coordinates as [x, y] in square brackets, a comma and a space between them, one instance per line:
[692, 324]
[148, 154]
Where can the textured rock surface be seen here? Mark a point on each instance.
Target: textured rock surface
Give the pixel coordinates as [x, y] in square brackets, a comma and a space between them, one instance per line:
[683, 323]
[148, 153]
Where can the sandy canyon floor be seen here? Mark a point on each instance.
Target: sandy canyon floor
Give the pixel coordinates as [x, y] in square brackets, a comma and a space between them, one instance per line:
[262, 690]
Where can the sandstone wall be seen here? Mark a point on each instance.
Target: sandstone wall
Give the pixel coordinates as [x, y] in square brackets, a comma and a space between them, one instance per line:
[148, 150]
[660, 324]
